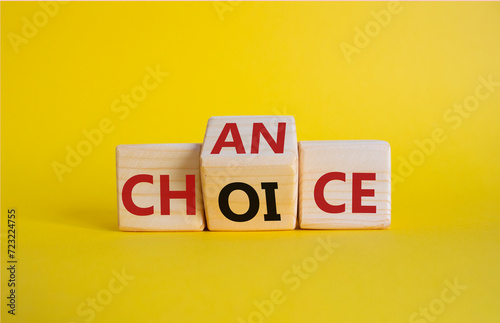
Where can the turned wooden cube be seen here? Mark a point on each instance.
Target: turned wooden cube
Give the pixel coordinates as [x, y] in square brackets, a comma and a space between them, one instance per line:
[159, 187]
[344, 184]
[249, 173]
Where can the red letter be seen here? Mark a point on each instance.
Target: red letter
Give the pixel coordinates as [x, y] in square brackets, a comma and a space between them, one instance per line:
[236, 143]
[319, 190]
[189, 194]
[127, 194]
[358, 192]
[277, 146]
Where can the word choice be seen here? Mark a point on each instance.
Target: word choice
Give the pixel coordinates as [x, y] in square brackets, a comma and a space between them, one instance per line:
[273, 182]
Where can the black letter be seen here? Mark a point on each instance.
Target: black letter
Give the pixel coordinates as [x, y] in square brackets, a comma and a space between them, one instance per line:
[271, 202]
[253, 199]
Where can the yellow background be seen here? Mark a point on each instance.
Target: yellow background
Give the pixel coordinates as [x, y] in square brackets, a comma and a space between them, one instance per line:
[254, 58]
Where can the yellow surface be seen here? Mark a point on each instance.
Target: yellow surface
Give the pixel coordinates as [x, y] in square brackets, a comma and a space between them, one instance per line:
[252, 58]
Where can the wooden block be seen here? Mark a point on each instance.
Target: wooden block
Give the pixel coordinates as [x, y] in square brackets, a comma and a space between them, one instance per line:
[345, 184]
[249, 173]
[159, 187]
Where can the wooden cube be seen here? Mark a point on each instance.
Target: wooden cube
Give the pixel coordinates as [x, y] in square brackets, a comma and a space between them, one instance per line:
[159, 187]
[249, 173]
[345, 184]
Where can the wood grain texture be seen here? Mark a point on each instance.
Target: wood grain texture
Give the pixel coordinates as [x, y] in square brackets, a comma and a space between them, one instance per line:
[218, 170]
[175, 160]
[357, 156]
